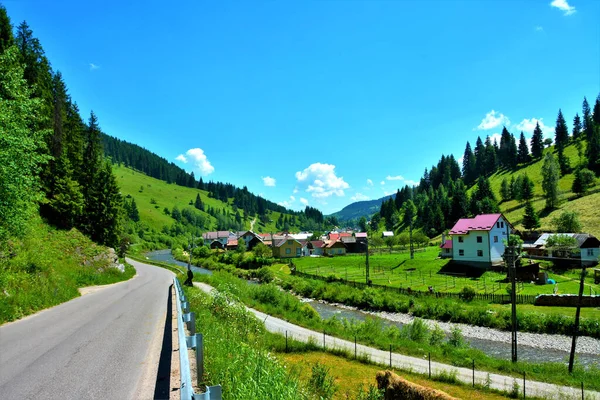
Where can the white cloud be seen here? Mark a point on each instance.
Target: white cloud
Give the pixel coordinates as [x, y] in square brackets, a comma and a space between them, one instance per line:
[268, 181]
[528, 125]
[94, 67]
[382, 182]
[286, 203]
[395, 178]
[563, 5]
[369, 182]
[496, 137]
[386, 193]
[539, 28]
[198, 158]
[492, 120]
[292, 198]
[410, 182]
[321, 181]
[360, 197]
[303, 201]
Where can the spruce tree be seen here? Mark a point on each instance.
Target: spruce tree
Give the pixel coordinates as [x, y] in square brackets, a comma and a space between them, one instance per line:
[593, 150]
[505, 192]
[561, 132]
[527, 187]
[105, 208]
[198, 203]
[550, 176]
[537, 142]
[513, 153]
[576, 127]
[6, 34]
[479, 157]
[469, 166]
[530, 219]
[584, 179]
[523, 151]
[460, 202]
[587, 119]
[596, 115]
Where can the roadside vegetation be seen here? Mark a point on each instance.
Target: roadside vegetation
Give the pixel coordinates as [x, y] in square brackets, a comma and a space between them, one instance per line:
[46, 267]
[413, 339]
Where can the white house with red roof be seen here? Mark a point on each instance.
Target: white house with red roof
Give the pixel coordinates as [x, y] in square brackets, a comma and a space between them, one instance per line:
[479, 239]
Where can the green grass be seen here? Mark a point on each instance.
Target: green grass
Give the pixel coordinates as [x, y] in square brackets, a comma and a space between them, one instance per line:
[414, 339]
[46, 268]
[398, 270]
[146, 190]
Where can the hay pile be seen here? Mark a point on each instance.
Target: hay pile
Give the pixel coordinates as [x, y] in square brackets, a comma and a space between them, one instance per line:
[397, 388]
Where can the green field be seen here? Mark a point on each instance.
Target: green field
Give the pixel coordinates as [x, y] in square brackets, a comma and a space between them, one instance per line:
[398, 270]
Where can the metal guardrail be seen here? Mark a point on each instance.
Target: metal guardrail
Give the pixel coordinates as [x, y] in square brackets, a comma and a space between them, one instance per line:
[195, 341]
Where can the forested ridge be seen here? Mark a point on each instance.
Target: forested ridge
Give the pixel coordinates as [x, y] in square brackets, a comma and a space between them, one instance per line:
[449, 191]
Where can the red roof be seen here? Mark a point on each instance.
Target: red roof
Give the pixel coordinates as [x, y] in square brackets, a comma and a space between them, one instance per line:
[334, 236]
[483, 222]
[447, 244]
[345, 234]
[317, 244]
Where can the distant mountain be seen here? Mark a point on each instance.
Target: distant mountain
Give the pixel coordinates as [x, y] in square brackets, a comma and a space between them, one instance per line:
[360, 209]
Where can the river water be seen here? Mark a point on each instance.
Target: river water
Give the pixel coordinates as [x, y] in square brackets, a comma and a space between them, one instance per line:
[542, 348]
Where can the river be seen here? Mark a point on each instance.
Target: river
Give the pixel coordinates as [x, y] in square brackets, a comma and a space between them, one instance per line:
[532, 347]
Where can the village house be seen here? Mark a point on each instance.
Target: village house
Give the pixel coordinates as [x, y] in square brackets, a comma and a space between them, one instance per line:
[586, 252]
[480, 240]
[315, 247]
[287, 248]
[216, 240]
[334, 248]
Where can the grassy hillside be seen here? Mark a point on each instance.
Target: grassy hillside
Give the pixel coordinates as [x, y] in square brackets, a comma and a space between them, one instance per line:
[586, 206]
[153, 195]
[46, 268]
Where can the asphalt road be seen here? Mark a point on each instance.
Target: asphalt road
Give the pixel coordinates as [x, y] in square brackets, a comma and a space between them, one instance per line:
[421, 365]
[103, 345]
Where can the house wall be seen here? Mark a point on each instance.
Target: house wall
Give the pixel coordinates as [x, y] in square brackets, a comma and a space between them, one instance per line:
[470, 247]
[295, 250]
[497, 248]
[594, 257]
[335, 251]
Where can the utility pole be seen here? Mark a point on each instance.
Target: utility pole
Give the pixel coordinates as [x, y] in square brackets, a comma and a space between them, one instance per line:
[367, 263]
[412, 248]
[577, 313]
[511, 256]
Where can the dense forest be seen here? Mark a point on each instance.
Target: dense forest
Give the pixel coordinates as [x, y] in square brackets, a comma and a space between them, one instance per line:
[448, 191]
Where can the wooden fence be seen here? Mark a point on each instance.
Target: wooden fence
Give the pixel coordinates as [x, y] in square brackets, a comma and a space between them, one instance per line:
[490, 297]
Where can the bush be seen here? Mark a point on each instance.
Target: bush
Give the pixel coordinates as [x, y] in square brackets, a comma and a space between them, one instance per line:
[322, 382]
[265, 275]
[467, 293]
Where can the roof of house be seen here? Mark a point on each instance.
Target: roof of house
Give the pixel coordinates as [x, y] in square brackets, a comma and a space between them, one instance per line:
[232, 243]
[345, 234]
[482, 222]
[317, 244]
[334, 243]
[334, 236]
[348, 239]
[215, 235]
[583, 239]
[447, 244]
[281, 242]
[360, 234]
[388, 233]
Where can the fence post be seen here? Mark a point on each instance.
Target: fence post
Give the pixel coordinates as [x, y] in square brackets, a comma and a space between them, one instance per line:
[286, 343]
[323, 339]
[429, 365]
[582, 394]
[390, 356]
[355, 350]
[473, 373]
[524, 385]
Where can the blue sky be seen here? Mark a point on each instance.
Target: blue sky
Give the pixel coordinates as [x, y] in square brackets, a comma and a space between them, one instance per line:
[319, 102]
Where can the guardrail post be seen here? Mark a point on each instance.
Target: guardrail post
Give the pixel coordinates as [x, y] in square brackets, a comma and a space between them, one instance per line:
[200, 357]
[190, 319]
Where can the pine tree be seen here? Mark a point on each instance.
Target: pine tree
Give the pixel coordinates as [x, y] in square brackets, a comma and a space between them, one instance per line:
[198, 203]
[596, 115]
[479, 157]
[563, 162]
[505, 192]
[523, 151]
[469, 165]
[530, 219]
[491, 158]
[584, 179]
[576, 127]
[517, 187]
[460, 202]
[561, 132]
[105, 208]
[134, 213]
[527, 187]
[593, 150]
[550, 176]
[537, 142]
[587, 120]
[513, 153]
[6, 35]
[483, 200]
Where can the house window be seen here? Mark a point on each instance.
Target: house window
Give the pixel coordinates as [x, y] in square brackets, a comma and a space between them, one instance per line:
[289, 242]
[590, 252]
[479, 253]
[495, 239]
[501, 224]
[298, 251]
[461, 252]
[479, 239]
[498, 224]
[288, 251]
[460, 239]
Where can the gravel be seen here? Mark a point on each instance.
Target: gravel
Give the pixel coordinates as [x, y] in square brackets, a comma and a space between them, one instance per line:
[585, 344]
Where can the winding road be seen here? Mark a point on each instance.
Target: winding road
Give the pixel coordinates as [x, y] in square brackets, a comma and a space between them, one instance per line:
[105, 344]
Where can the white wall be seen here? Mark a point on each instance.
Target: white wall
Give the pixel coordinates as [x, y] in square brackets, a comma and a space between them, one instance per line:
[470, 246]
[497, 248]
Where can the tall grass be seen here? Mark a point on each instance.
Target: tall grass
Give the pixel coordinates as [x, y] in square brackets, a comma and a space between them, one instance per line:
[413, 339]
[46, 268]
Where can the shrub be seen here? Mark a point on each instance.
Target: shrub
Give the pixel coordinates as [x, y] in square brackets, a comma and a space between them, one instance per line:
[467, 293]
[437, 336]
[456, 338]
[265, 275]
[322, 382]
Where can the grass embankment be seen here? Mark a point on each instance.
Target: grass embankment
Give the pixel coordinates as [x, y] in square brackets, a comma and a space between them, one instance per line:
[250, 362]
[47, 266]
[414, 339]
[398, 270]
